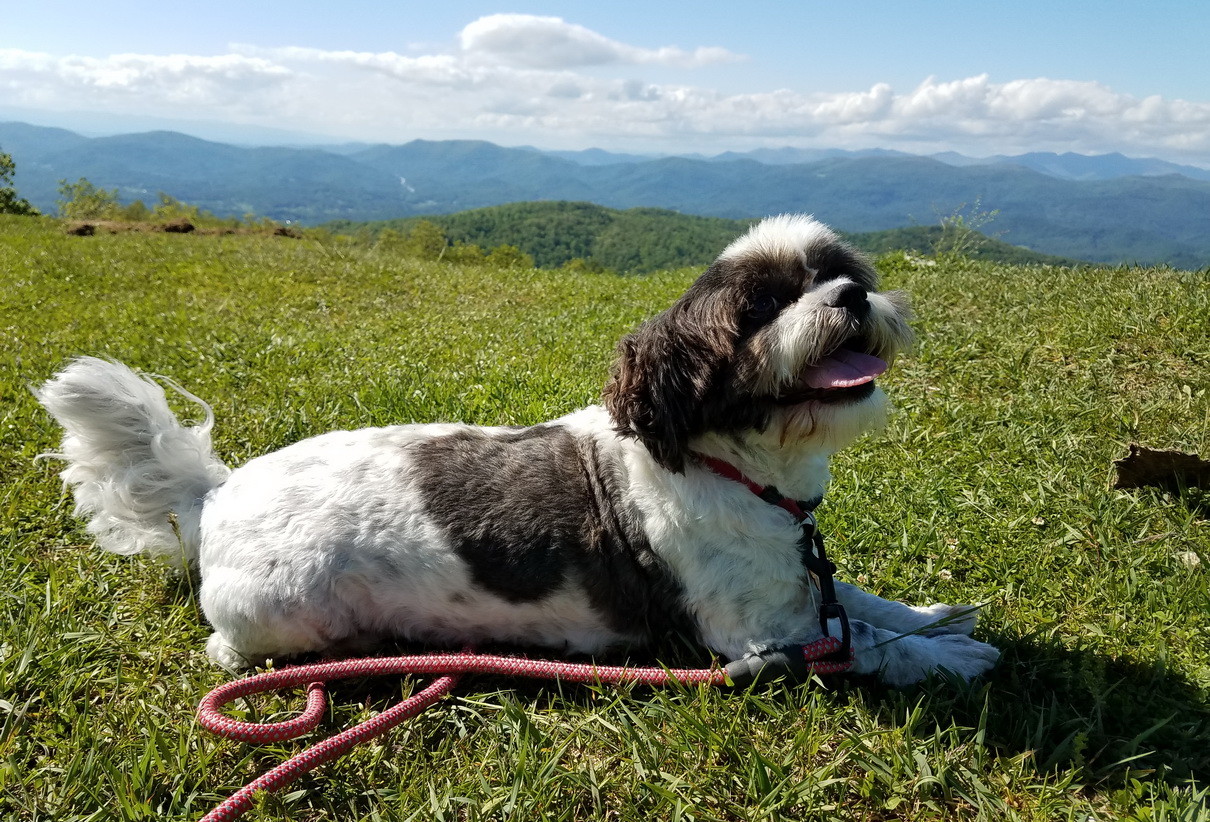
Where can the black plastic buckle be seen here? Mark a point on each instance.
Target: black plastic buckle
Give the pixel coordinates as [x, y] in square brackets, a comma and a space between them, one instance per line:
[771, 495]
[834, 610]
[814, 558]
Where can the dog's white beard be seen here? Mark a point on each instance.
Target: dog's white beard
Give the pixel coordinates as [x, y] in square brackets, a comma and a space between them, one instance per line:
[829, 427]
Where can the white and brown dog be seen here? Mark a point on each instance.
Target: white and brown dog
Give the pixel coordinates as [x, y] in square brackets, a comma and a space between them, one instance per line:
[598, 529]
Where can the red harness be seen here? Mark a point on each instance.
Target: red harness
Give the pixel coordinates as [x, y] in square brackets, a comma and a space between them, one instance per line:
[766, 492]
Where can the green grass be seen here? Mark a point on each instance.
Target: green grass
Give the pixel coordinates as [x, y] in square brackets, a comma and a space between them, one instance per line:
[991, 484]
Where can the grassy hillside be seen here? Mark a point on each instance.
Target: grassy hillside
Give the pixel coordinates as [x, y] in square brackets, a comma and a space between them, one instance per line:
[643, 240]
[990, 485]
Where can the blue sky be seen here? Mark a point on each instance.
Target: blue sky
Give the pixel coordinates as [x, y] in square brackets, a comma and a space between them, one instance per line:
[980, 78]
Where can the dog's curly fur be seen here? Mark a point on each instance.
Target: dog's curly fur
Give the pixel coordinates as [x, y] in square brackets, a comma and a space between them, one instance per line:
[597, 529]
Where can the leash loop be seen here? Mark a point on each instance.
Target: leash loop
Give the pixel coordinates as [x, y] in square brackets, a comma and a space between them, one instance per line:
[242, 800]
[260, 733]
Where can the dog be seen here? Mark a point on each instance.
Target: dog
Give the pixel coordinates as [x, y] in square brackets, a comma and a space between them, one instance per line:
[602, 528]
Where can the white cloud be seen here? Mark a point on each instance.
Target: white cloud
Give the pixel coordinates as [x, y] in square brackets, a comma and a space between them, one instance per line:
[1055, 114]
[223, 82]
[522, 79]
[551, 42]
[434, 69]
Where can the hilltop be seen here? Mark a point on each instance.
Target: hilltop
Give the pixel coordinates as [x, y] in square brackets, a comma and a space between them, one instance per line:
[988, 486]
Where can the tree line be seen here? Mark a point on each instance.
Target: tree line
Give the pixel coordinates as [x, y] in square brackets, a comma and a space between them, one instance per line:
[10, 203]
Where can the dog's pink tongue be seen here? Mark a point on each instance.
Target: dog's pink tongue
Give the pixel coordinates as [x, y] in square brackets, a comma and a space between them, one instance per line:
[844, 369]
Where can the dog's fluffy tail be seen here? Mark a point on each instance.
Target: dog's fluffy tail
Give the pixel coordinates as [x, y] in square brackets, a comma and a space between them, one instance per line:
[138, 474]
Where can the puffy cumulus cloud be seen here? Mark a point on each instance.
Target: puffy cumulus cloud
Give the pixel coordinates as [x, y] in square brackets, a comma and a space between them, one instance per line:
[519, 79]
[142, 79]
[551, 42]
[860, 107]
[1044, 113]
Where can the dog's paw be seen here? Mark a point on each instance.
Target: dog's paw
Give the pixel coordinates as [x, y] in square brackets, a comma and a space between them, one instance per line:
[225, 656]
[913, 658]
[941, 619]
[961, 655]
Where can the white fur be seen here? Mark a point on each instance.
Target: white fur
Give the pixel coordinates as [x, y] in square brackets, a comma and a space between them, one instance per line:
[804, 327]
[786, 235]
[130, 463]
[325, 545]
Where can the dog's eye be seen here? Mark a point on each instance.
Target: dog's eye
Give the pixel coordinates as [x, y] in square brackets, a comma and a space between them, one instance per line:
[762, 305]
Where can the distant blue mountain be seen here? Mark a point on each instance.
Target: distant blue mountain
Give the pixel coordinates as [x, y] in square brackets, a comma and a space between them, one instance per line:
[1105, 209]
[1068, 166]
[1071, 166]
[596, 156]
[797, 156]
[305, 185]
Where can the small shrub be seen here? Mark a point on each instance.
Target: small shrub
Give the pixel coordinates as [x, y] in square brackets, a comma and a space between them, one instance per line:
[82, 200]
[426, 240]
[10, 203]
[962, 232]
[509, 256]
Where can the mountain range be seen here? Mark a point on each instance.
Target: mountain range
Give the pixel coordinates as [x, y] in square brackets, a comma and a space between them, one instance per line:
[1106, 208]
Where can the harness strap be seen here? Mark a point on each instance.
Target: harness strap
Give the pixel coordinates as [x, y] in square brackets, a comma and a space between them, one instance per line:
[814, 559]
[766, 492]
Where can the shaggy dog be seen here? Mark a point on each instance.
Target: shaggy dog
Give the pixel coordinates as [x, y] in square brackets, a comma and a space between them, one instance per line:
[602, 528]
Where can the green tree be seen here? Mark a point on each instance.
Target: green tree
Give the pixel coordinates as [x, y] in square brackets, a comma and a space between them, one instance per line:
[169, 208]
[426, 240]
[579, 265]
[465, 253]
[509, 256]
[82, 200]
[10, 203]
[389, 239]
[136, 212]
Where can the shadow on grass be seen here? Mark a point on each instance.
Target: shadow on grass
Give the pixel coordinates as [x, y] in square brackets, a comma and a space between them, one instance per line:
[1197, 501]
[1194, 498]
[1105, 719]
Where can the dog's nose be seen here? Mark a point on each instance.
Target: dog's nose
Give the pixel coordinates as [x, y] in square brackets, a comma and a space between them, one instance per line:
[850, 296]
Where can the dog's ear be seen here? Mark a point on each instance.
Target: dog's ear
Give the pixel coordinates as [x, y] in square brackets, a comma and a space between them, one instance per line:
[663, 377]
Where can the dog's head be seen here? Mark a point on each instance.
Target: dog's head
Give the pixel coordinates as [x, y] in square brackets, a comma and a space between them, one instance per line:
[783, 334]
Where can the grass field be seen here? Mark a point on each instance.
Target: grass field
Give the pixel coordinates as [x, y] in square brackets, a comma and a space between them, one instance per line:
[991, 484]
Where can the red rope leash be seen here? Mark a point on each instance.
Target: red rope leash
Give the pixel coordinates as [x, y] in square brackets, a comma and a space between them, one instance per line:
[450, 667]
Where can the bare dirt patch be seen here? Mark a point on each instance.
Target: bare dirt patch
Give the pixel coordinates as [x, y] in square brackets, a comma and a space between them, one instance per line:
[91, 228]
